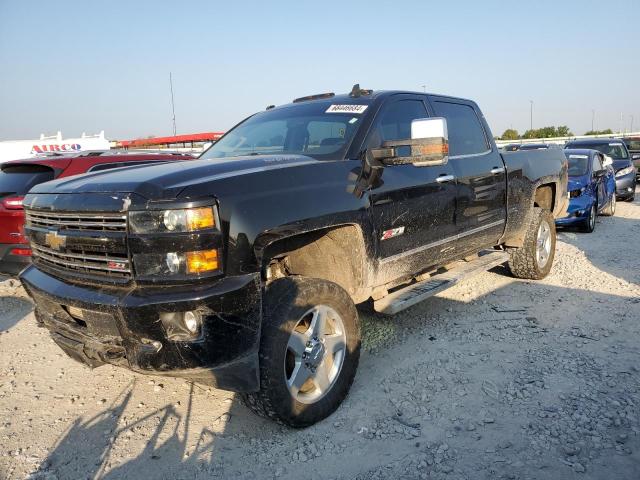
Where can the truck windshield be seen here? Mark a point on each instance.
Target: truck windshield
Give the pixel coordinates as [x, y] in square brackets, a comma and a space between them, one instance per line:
[305, 129]
[614, 149]
[578, 165]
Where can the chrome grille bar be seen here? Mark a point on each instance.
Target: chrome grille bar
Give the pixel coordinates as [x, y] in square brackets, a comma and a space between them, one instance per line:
[77, 221]
[81, 261]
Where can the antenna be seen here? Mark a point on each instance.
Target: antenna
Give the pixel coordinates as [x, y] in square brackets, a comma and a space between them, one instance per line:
[173, 109]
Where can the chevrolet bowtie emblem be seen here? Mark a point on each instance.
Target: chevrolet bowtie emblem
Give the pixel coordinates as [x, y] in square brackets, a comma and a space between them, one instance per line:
[54, 240]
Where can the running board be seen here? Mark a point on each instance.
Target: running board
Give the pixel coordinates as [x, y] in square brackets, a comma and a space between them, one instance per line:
[408, 296]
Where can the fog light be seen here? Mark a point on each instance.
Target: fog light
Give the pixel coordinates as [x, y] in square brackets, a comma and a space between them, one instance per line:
[181, 326]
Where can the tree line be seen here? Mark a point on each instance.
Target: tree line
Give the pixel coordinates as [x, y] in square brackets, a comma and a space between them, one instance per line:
[547, 132]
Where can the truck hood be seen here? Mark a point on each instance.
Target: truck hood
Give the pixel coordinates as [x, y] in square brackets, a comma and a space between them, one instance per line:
[166, 181]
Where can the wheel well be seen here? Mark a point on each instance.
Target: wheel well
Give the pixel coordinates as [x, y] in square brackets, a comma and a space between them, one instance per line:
[545, 197]
[336, 254]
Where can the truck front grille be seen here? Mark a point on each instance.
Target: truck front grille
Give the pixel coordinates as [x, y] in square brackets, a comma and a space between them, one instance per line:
[83, 246]
[81, 261]
[77, 221]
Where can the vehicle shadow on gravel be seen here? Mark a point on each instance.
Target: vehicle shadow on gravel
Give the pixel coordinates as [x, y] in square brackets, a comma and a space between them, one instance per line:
[12, 310]
[86, 449]
[192, 442]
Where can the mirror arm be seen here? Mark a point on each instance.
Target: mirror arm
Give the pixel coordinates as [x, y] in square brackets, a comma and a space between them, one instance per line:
[379, 157]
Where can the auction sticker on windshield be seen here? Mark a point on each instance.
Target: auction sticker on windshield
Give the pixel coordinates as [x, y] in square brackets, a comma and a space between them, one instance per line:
[346, 109]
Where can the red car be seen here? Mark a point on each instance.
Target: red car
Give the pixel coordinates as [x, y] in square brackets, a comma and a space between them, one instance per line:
[17, 177]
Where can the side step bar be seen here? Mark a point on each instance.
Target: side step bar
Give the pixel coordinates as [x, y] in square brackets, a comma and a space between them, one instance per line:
[408, 296]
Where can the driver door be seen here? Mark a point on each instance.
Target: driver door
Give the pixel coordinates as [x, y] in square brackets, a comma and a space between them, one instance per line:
[412, 208]
[601, 193]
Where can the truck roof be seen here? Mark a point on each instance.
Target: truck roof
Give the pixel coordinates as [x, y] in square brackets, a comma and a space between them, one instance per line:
[348, 98]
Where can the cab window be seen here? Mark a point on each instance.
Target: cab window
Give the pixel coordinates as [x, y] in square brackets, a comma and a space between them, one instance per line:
[395, 124]
[466, 135]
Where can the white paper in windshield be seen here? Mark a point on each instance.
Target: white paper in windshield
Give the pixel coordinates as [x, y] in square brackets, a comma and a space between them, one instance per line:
[346, 109]
[578, 156]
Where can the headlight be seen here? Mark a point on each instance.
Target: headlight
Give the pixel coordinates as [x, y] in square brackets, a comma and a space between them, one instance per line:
[577, 192]
[178, 264]
[173, 220]
[625, 171]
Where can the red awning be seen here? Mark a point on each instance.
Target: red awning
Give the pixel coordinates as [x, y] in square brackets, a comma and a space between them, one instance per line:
[192, 137]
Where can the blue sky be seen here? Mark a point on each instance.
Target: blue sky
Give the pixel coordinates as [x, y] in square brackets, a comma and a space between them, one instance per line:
[87, 66]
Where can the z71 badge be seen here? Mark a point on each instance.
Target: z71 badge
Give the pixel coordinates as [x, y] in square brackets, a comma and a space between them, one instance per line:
[394, 232]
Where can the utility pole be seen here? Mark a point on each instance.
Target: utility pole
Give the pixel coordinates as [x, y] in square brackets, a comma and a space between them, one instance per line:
[173, 110]
[631, 127]
[531, 114]
[424, 88]
[621, 122]
[593, 117]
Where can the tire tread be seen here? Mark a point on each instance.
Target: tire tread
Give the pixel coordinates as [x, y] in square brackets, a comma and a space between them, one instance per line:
[522, 261]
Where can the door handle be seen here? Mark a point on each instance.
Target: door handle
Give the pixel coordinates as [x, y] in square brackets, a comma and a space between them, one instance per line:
[445, 178]
[497, 170]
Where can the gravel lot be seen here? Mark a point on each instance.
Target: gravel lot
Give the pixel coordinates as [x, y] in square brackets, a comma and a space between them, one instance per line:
[495, 378]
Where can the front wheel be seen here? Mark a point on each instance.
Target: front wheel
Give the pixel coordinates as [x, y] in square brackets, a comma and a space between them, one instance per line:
[590, 223]
[534, 259]
[309, 351]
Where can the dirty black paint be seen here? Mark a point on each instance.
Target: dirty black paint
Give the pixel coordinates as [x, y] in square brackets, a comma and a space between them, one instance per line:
[261, 200]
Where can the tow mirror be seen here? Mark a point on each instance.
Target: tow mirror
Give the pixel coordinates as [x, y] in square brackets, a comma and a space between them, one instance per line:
[428, 145]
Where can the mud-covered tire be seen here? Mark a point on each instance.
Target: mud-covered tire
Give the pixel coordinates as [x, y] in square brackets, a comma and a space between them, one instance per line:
[285, 301]
[523, 261]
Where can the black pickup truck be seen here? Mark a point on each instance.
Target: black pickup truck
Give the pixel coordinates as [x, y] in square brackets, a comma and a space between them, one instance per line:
[242, 269]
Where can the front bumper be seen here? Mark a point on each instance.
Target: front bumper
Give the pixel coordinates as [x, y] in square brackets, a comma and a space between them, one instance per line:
[12, 264]
[578, 210]
[122, 327]
[626, 185]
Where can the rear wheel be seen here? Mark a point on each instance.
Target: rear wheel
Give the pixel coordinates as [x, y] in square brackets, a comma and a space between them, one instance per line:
[309, 351]
[534, 259]
[590, 223]
[610, 211]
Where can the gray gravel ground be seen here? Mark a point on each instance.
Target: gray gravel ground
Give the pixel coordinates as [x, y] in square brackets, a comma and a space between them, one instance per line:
[495, 378]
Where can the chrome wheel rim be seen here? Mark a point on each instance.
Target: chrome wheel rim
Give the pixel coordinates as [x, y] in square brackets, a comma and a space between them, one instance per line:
[592, 217]
[543, 244]
[315, 354]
